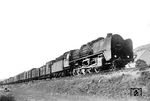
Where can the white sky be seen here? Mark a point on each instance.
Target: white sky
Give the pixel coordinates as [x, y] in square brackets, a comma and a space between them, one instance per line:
[33, 32]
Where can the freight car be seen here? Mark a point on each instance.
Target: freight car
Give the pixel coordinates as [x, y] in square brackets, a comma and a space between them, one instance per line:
[35, 72]
[102, 54]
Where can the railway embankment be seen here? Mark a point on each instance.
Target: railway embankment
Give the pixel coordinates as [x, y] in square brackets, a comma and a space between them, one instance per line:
[115, 86]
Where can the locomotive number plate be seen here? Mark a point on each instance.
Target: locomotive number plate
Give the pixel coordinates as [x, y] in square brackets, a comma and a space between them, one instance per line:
[136, 91]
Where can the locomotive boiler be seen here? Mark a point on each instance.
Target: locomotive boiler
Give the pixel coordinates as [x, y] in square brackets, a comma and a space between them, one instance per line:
[110, 53]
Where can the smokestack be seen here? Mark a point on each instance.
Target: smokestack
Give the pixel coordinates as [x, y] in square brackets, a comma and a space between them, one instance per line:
[109, 34]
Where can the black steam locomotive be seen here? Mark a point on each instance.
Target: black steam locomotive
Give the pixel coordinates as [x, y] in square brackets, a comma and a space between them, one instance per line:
[102, 54]
[112, 52]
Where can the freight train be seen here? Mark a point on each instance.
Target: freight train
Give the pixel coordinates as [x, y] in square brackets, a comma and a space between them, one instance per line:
[102, 54]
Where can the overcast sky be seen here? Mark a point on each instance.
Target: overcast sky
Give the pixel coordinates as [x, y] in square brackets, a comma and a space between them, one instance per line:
[33, 32]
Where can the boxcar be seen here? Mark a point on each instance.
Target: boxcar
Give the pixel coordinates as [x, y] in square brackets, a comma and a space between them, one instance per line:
[11, 80]
[7, 80]
[23, 76]
[15, 78]
[29, 74]
[35, 73]
[43, 71]
[18, 78]
[48, 68]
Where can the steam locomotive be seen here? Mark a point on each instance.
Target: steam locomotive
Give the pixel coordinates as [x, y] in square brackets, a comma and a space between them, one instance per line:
[102, 54]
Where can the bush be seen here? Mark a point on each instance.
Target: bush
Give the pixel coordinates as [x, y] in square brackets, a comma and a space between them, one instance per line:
[141, 65]
[144, 79]
[7, 98]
